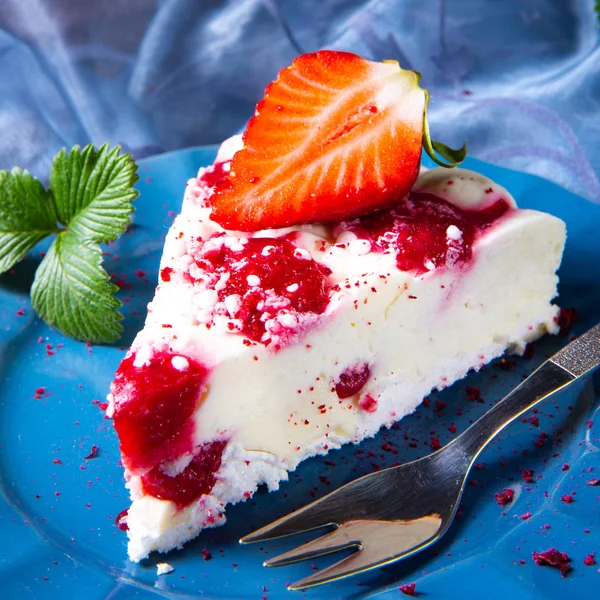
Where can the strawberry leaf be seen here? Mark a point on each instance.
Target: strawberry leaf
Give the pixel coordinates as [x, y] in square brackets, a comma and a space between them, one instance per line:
[27, 215]
[93, 191]
[73, 292]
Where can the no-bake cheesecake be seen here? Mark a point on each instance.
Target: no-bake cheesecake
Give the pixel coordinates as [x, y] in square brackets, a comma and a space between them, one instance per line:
[282, 329]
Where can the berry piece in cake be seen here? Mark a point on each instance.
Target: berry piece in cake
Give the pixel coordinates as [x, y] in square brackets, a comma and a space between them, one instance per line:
[352, 380]
[336, 136]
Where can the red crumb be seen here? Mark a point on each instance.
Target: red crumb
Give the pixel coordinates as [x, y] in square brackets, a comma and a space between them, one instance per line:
[566, 317]
[567, 498]
[507, 365]
[565, 467]
[165, 273]
[435, 443]
[526, 516]
[534, 421]
[593, 482]
[408, 589]
[368, 403]
[553, 558]
[474, 394]
[206, 554]
[505, 497]
[452, 428]
[527, 475]
[589, 560]
[439, 406]
[121, 520]
[93, 453]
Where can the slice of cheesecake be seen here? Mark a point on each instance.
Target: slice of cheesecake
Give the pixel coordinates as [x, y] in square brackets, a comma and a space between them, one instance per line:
[265, 347]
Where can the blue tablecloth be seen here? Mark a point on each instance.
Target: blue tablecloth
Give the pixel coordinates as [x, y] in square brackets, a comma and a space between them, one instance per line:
[518, 79]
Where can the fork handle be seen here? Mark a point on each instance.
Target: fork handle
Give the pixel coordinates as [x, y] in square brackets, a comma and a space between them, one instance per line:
[577, 359]
[542, 383]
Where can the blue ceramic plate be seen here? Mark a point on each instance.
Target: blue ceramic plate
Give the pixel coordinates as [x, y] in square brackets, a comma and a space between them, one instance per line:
[57, 508]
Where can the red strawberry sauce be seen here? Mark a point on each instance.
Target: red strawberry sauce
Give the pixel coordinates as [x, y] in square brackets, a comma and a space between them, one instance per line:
[275, 266]
[196, 479]
[415, 230]
[153, 410]
[216, 174]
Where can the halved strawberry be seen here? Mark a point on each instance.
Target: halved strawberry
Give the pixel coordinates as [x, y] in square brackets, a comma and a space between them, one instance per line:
[335, 137]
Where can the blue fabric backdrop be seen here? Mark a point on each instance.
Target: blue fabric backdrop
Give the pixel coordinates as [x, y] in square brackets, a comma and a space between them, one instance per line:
[518, 79]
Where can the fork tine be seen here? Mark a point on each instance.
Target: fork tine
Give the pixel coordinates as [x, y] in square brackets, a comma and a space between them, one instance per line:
[326, 544]
[301, 520]
[357, 562]
[320, 512]
[379, 542]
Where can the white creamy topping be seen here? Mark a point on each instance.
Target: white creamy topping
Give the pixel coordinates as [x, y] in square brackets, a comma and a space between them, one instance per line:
[465, 189]
[143, 356]
[453, 232]
[180, 363]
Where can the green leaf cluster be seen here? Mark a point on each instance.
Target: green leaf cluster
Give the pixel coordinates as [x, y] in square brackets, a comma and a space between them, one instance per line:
[88, 202]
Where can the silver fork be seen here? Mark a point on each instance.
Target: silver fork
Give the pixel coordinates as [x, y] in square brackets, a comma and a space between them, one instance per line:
[394, 513]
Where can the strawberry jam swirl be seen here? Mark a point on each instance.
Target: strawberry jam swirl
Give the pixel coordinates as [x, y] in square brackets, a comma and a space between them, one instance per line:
[196, 480]
[425, 232]
[154, 405]
[265, 289]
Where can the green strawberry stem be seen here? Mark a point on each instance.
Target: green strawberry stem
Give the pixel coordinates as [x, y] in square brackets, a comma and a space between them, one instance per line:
[453, 157]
